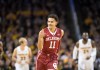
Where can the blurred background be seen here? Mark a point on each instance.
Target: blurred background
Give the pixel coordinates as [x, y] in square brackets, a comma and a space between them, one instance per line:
[25, 18]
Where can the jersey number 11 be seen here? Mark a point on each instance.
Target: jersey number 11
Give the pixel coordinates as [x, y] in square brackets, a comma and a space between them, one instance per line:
[52, 44]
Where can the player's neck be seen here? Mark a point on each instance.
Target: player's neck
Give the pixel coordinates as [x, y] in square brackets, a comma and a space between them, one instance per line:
[84, 41]
[52, 29]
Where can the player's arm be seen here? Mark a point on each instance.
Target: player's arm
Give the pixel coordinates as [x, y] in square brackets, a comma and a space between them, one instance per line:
[93, 54]
[75, 51]
[62, 32]
[30, 55]
[40, 40]
[14, 55]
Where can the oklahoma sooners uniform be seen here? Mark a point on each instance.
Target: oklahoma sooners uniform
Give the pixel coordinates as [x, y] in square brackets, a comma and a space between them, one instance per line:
[47, 57]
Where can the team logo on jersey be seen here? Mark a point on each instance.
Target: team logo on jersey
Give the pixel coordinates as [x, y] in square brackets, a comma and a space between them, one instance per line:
[52, 38]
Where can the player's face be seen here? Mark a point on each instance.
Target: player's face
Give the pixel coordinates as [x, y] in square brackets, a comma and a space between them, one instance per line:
[85, 36]
[51, 22]
[25, 43]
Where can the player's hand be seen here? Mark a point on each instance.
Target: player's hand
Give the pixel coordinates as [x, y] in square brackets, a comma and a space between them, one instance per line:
[87, 58]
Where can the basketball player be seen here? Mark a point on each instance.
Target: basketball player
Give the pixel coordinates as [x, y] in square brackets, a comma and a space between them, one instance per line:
[22, 55]
[86, 50]
[48, 45]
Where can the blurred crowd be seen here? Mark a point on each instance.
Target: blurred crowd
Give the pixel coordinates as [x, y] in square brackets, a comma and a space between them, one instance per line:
[90, 22]
[26, 18]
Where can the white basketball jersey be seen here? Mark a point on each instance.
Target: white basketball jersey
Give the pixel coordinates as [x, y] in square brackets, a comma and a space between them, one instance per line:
[84, 49]
[22, 55]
